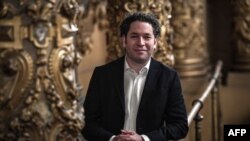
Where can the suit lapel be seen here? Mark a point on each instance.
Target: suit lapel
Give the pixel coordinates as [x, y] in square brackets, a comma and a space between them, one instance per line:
[150, 83]
[119, 81]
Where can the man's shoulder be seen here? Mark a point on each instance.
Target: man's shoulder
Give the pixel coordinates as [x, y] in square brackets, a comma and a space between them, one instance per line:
[164, 71]
[164, 67]
[118, 63]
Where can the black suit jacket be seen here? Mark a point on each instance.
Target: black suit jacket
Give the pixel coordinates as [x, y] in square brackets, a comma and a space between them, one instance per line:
[161, 115]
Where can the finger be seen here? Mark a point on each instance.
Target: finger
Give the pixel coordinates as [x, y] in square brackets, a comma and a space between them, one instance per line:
[126, 132]
[131, 132]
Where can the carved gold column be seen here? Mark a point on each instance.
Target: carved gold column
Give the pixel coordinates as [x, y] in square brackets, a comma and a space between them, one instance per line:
[39, 91]
[116, 9]
[241, 35]
[189, 40]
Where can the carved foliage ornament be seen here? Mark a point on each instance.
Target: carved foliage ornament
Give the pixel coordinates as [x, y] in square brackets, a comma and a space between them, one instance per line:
[189, 37]
[39, 91]
[189, 29]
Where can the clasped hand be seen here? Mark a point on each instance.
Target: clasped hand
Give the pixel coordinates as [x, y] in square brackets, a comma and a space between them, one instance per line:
[128, 135]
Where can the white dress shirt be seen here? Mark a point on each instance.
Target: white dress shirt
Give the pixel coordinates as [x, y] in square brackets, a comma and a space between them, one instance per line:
[133, 87]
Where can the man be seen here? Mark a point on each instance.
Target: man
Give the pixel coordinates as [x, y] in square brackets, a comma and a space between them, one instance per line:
[135, 98]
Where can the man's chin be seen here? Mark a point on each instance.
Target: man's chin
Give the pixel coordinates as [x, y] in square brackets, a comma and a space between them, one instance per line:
[141, 60]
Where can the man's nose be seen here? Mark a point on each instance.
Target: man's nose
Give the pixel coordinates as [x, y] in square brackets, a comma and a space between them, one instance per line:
[141, 41]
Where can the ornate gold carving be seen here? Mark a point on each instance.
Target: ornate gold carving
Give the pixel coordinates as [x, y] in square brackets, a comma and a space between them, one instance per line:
[189, 38]
[3, 9]
[94, 14]
[162, 9]
[11, 33]
[16, 80]
[241, 34]
[6, 33]
[39, 90]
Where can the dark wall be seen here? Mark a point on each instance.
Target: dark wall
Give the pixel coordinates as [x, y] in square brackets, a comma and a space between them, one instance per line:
[219, 26]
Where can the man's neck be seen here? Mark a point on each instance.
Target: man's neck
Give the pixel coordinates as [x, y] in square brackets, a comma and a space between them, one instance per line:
[136, 66]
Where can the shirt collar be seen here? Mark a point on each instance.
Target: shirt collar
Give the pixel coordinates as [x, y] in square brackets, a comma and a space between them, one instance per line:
[144, 69]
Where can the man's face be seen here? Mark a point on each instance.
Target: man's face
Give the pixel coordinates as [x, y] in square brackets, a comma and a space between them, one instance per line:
[139, 42]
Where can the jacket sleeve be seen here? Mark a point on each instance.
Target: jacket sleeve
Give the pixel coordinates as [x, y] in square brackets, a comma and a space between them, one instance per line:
[93, 130]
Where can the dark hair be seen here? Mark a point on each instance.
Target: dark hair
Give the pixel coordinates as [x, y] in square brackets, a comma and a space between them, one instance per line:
[139, 16]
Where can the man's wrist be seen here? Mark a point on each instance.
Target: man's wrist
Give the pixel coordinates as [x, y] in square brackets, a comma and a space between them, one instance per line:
[145, 138]
[142, 138]
[111, 139]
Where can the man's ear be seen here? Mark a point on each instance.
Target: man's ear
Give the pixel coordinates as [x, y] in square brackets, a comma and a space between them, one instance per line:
[155, 44]
[123, 41]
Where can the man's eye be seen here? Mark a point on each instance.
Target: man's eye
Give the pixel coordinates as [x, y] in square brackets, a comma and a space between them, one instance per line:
[147, 37]
[133, 36]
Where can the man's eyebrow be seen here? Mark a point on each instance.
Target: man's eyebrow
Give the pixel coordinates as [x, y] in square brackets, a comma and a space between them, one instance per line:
[135, 33]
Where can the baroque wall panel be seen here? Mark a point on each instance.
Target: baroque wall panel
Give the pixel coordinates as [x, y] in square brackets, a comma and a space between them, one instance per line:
[241, 35]
[39, 90]
[189, 38]
[117, 9]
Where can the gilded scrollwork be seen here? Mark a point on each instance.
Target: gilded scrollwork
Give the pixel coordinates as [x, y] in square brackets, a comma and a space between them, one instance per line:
[162, 9]
[13, 79]
[241, 34]
[14, 88]
[39, 90]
